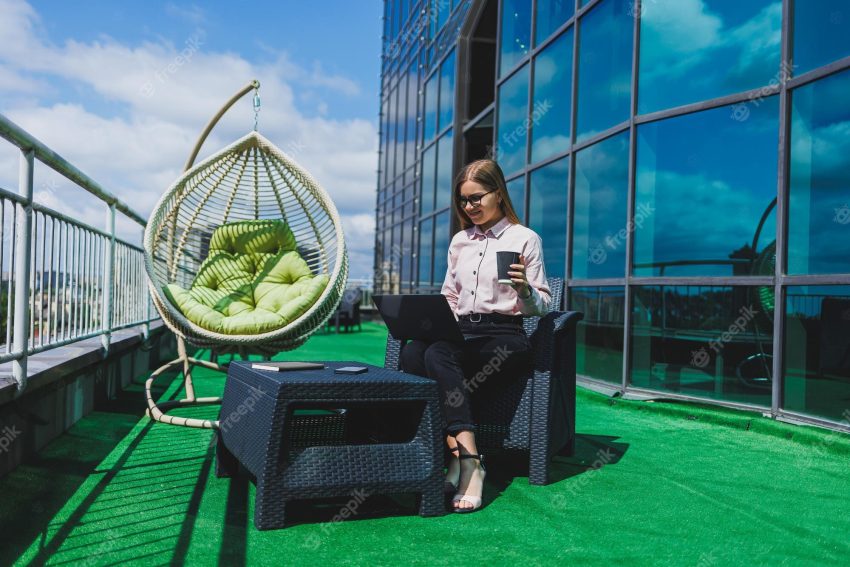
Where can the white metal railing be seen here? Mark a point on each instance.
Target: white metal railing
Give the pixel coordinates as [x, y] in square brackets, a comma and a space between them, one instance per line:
[62, 280]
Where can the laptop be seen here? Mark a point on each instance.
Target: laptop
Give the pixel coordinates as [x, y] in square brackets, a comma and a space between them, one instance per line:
[427, 317]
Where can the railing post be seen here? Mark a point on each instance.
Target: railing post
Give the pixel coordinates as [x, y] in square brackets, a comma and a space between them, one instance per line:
[146, 327]
[108, 282]
[23, 237]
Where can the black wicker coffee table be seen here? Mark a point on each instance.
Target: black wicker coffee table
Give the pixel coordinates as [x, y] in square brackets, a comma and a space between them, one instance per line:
[287, 429]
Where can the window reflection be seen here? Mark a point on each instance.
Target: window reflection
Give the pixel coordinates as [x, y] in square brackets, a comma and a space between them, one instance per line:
[430, 115]
[817, 351]
[444, 171]
[441, 246]
[447, 91]
[547, 213]
[400, 124]
[516, 33]
[599, 336]
[516, 191]
[705, 193]
[429, 162]
[709, 341]
[551, 14]
[605, 67]
[513, 124]
[426, 232]
[821, 33]
[819, 193]
[599, 209]
[412, 86]
[550, 113]
[692, 51]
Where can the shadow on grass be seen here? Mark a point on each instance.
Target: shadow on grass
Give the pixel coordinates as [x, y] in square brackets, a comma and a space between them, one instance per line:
[38, 489]
[591, 453]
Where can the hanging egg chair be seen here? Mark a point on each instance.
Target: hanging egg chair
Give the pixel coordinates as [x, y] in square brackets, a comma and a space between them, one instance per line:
[244, 253]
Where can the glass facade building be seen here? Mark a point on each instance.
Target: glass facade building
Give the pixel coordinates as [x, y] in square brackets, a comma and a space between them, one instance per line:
[686, 162]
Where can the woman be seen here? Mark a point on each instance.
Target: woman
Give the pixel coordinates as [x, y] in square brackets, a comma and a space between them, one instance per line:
[489, 314]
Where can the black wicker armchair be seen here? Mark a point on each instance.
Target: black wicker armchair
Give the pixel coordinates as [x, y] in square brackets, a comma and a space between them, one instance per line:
[536, 412]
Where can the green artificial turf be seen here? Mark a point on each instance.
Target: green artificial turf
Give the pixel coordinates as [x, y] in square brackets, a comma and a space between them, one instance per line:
[651, 483]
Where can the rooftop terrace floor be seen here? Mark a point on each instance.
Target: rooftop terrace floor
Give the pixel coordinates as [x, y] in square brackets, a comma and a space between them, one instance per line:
[651, 483]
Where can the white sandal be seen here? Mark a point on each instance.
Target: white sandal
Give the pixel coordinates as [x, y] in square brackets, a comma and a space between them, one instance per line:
[474, 500]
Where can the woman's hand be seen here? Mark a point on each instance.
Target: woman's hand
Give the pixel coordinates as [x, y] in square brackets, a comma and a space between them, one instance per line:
[519, 280]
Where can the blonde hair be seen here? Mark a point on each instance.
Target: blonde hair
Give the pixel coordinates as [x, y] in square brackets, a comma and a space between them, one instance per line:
[488, 174]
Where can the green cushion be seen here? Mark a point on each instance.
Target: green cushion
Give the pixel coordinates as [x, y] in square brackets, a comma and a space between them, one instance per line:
[253, 281]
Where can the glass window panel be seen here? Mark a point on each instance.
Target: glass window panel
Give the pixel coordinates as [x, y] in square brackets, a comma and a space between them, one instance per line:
[516, 33]
[413, 85]
[393, 141]
[550, 113]
[821, 33]
[693, 51]
[817, 351]
[406, 254]
[516, 191]
[443, 9]
[599, 209]
[547, 213]
[513, 122]
[429, 164]
[442, 230]
[430, 115]
[551, 14]
[605, 67]
[426, 232]
[819, 193]
[400, 125]
[385, 138]
[444, 171]
[704, 182]
[708, 341]
[599, 336]
[447, 91]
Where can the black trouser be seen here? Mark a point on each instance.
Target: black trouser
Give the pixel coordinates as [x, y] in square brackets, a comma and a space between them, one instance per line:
[496, 353]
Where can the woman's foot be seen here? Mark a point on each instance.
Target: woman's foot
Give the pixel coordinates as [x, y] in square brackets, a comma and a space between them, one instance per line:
[471, 484]
[452, 471]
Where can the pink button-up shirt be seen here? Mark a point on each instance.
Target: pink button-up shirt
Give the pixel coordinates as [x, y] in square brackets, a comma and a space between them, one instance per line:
[471, 284]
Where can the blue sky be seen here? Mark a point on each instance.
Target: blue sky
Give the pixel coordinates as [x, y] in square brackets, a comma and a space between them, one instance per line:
[104, 84]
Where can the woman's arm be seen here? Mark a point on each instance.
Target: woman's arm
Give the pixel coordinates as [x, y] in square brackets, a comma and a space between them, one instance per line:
[450, 285]
[535, 297]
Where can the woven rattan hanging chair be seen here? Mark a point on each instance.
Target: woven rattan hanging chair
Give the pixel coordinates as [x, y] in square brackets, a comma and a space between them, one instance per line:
[249, 217]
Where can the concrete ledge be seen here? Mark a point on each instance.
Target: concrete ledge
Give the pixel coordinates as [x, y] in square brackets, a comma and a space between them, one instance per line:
[69, 382]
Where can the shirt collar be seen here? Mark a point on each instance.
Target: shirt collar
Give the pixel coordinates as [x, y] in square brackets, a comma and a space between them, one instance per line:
[496, 230]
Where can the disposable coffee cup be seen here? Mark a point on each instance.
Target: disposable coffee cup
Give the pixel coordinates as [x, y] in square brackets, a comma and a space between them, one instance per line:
[503, 263]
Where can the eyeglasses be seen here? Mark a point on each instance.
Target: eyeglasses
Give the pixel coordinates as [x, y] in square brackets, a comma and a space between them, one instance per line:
[473, 200]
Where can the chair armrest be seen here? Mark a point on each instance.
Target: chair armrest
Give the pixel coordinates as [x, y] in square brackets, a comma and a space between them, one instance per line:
[392, 355]
[566, 321]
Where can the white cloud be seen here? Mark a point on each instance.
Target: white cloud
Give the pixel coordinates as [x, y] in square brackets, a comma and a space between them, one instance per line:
[680, 35]
[165, 94]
